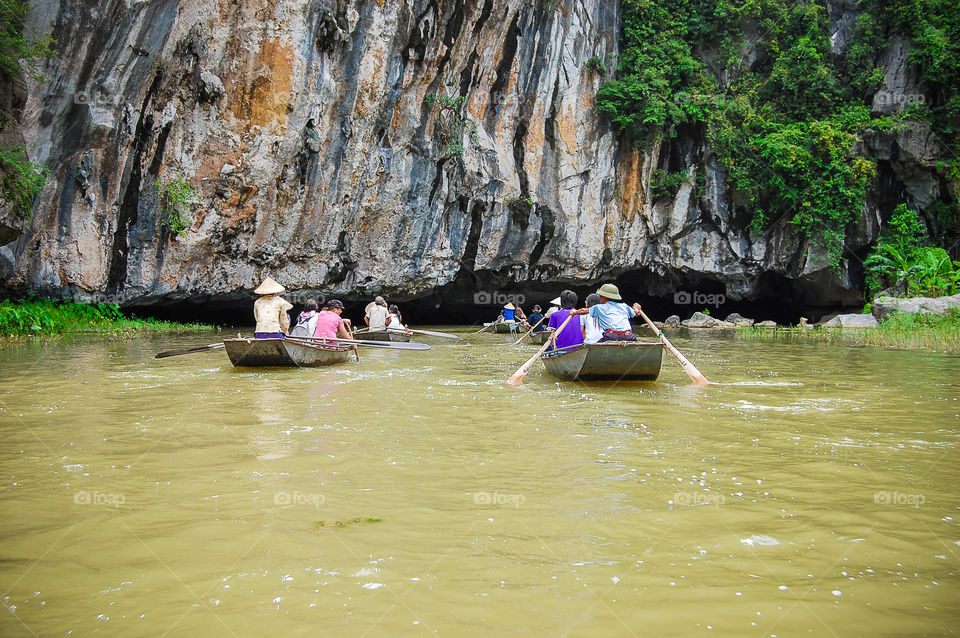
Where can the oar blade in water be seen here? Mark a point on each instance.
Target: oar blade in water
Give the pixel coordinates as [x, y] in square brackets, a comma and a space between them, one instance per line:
[176, 353]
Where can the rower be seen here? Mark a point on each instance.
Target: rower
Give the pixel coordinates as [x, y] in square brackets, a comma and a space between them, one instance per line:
[270, 311]
[377, 316]
[612, 314]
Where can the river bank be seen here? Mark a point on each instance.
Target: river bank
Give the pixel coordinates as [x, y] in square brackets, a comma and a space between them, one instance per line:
[909, 331]
[49, 319]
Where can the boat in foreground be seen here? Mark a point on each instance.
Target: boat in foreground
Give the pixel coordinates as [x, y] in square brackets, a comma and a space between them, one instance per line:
[609, 361]
[397, 336]
[263, 353]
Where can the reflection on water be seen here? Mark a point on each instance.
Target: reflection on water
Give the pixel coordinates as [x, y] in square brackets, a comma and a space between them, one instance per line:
[813, 492]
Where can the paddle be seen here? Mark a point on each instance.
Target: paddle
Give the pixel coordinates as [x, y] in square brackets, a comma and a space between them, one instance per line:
[489, 325]
[695, 375]
[393, 345]
[532, 328]
[517, 377]
[356, 351]
[177, 353]
[433, 333]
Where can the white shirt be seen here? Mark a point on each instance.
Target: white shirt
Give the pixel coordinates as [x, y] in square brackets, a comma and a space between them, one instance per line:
[592, 331]
[395, 323]
[270, 311]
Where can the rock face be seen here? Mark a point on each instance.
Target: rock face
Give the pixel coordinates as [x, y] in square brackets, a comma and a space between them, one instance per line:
[700, 320]
[851, 321]
[738, 320]
[320, 158]
[883, 306]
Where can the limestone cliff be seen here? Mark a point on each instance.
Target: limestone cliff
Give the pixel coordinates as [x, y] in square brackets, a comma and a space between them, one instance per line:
[331, 149]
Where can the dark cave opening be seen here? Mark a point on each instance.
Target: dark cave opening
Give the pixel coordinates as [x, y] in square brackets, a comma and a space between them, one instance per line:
[460, 303]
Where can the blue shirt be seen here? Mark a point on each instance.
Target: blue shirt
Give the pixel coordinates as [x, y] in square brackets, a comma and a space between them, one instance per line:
[508, 314]
[613, 315]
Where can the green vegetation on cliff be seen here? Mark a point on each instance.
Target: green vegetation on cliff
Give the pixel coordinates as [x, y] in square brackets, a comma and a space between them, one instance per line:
[20, 179]
[48, 318]
[781, 111]
[903, 255]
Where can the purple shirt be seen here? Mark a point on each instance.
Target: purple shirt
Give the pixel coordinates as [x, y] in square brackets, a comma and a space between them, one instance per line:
[572, 335]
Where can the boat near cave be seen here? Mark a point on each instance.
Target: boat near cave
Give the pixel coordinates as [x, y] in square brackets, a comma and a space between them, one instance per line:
[395, 336]
[283, 353]
[608, 361]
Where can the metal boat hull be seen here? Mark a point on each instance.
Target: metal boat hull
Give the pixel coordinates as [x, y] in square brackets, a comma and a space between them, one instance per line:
[540, 338]
[385, 335]
[610, 361]
[272, 353]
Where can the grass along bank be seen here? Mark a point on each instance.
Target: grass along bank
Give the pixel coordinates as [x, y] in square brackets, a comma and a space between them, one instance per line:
[912, 331]
[46, 318]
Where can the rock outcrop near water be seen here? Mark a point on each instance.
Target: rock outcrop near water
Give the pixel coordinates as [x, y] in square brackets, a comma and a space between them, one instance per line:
[321, 159]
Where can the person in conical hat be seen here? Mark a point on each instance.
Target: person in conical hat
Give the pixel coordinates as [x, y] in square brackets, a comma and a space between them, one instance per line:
[508, 313]
[554, 306]
[270, 311]
[612, 314]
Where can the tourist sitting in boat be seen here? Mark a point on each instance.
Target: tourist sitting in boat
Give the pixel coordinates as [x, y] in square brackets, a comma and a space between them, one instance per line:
[572, 334]
[612, 314]
[535, 320]
[554, 306]
[307, 320]
[270, 311]
[591, 327]
[519, 316]
[508, 313]
[377, 315]
[329, 322]
[395, 319]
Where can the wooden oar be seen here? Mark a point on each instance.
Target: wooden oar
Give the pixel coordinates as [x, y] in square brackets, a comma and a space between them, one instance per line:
[534, 327]
[517, 377]
[356, 351]
[489, 326]
[434, 333]
[176, 353]
[695, 375]
[393, 345]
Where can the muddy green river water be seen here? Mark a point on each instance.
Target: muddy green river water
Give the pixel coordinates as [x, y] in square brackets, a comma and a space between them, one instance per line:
[813, 493]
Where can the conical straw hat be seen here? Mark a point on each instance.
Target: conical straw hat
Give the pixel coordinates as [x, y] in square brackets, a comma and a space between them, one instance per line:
[269, 287]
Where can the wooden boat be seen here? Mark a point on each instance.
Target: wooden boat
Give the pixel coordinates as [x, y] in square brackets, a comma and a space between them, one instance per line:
[503, 328]
[384, 335]
[262, 353]
[610, 361]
